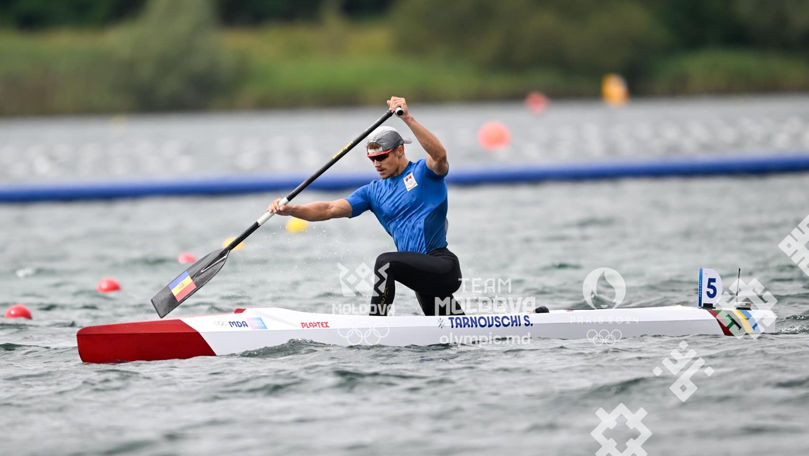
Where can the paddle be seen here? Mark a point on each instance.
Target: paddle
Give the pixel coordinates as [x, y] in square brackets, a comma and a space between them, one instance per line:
[201, 272]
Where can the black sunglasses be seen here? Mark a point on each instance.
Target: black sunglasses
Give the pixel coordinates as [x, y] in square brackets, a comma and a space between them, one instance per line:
[380, 157]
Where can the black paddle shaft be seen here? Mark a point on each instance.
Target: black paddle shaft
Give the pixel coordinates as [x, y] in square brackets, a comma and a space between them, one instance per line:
[317, 174]
[201, 272]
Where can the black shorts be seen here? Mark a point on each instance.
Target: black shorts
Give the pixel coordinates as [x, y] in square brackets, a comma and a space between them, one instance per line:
[433, 276]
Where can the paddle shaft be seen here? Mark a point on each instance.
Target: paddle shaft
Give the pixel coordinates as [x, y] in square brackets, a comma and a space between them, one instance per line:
[267, 215]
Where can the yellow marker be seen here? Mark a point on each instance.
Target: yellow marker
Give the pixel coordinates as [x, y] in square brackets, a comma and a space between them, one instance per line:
[229, 240]
[613, 90]
[296, 225]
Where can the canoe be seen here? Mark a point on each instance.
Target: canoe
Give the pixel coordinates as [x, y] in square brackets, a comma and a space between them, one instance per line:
[252, 329]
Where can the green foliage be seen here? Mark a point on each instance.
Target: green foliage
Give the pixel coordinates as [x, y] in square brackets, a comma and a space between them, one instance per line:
[729, 71]
[575, 35]
[56, 73]
[39, 14]
[295, 65]
[781, 24]
[698, 23]
[171, 57]
[760, 24]
[252, 12]
[44, 14]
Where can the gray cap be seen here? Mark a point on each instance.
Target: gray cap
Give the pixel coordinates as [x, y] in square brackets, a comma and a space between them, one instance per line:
[387, 138]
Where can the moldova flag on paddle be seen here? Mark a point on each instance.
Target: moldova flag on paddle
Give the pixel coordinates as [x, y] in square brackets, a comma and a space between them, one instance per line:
[182, 286]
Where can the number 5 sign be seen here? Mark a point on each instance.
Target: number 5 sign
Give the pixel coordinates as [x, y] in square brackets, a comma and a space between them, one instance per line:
[710, 287]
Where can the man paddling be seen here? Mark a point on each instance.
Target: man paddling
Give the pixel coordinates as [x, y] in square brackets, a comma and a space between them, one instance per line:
[410, 201]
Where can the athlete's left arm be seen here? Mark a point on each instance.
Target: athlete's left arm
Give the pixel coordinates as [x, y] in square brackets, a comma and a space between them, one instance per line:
[437, 159]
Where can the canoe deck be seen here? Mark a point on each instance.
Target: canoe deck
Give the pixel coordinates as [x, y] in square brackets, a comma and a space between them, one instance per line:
[251, 329]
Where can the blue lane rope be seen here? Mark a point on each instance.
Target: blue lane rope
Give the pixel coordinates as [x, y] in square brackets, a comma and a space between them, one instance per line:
[511, 174]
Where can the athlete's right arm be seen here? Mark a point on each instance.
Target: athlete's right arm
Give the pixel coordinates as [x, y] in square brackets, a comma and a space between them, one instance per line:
[314, 212]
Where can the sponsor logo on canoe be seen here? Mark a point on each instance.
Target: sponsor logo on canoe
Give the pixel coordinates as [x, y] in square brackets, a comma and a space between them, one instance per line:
[256, 323]
[487, 321]
[314, 324]
[249, 323]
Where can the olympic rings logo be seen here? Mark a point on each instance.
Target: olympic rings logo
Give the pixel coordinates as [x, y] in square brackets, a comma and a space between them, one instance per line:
[366, 336]
[604, 336]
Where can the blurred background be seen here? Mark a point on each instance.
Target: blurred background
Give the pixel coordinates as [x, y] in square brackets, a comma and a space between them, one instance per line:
[88, 56]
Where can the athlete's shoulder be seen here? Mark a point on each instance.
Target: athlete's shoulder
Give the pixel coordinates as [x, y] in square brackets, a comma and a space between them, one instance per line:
[424, 170]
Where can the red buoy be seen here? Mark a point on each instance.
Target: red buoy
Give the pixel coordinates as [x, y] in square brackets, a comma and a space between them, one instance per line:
[536, 102]
[186, 258]
[494, 135]
[18, 311]
[107, 285]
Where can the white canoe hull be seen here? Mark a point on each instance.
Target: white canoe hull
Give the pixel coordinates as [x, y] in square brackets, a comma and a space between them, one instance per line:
[253, 329]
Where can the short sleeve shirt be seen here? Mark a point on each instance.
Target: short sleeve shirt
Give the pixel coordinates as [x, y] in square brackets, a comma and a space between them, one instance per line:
[412, 207]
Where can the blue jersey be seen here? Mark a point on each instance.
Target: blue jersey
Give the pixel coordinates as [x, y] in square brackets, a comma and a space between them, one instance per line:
[412, 207]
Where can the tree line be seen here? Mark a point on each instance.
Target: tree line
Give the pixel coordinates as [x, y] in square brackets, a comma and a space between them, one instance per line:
[144, 55]
[596, 36]
[44, 14]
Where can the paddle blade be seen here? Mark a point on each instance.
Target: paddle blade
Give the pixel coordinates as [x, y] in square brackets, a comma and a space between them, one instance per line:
[187, 283]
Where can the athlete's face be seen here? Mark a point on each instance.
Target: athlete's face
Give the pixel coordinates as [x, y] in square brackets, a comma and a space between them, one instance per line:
[388, 165]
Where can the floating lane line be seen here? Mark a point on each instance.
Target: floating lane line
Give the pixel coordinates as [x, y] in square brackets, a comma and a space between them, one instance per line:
[483, 175]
